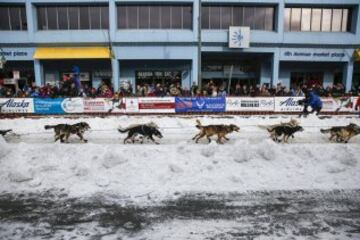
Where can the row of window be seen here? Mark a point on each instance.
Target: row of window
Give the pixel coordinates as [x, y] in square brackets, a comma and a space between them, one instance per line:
[317, 19]
[221, 17]
[13, 17]
[154, 17]
[72, 17]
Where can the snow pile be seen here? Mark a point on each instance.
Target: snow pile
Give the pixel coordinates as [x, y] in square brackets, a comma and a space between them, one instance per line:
[249, 161]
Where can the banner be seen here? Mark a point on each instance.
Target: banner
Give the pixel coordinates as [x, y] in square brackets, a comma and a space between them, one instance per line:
[48, 106]
[131, 105]
[288, 104]
[244, 104]
[103, 105]
[157, 105]
[16, 105]
[200, 104]
[343, 104]
[73, 105]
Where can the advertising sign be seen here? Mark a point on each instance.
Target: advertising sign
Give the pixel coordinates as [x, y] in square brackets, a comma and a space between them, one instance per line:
[73, 105]
[131, 105]
[201, 104]
[243, 104]
[16, 105]
[48, 106]
[309, 54]
[288, 104]
[157, 105]
[103, 105]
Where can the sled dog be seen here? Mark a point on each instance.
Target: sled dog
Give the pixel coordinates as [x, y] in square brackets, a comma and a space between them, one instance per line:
[285, 131]
[342, 133]
[209, 130]
[63, 131]
[145, 130]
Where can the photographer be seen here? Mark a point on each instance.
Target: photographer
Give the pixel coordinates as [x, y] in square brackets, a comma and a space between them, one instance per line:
[312, 100]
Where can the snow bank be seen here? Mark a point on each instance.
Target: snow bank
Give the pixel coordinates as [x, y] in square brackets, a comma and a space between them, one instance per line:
[249, 161]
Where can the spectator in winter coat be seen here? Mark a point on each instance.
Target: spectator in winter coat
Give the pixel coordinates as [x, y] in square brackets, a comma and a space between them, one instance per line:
[312, 100]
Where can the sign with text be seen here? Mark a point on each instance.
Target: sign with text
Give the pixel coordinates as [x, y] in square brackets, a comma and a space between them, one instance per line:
[309, 54]
[16, 105]
[156, 105]
[243, 104]
[288, 104]
[199, 104]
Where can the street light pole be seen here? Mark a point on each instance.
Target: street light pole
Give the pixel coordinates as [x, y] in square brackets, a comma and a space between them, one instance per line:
[199, 46]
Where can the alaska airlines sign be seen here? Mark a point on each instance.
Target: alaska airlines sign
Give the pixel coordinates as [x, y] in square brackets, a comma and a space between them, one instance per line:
[329, 55]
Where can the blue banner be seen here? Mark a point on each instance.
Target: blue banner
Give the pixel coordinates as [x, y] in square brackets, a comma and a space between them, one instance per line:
[199, 104]
[48, 106]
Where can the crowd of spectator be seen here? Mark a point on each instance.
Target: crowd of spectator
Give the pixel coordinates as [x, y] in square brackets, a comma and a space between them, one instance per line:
[69, 88]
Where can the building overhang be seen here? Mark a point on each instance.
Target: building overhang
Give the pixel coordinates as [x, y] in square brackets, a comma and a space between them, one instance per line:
[52, 53]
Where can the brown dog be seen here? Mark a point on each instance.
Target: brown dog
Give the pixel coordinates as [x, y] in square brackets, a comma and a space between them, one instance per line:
[210, 130]
[342, 133]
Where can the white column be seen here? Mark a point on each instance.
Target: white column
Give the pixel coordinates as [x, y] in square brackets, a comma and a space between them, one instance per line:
[275, 65]
[348, 75]
[39, 73]
[115, 66]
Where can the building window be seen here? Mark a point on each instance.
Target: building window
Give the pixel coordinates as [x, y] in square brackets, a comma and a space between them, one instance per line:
[221, 17]
[64, 17]
[13, 18]
[154, 16]
[317, 19]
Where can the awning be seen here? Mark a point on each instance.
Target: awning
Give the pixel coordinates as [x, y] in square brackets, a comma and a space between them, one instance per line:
[72, 53]
[357, 54]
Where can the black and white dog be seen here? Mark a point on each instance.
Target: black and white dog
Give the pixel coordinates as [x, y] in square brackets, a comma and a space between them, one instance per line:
[145, 130]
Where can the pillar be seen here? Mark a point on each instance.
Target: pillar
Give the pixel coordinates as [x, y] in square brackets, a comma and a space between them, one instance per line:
[115, 67]
[39, 73]
[348, 75]
[275, 65]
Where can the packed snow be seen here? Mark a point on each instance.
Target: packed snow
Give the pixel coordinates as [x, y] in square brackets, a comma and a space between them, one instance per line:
[148, 173]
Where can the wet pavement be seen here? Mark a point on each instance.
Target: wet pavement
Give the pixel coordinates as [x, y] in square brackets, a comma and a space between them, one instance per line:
[252, 215]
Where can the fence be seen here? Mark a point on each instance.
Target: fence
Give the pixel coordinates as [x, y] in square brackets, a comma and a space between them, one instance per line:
[168, 105]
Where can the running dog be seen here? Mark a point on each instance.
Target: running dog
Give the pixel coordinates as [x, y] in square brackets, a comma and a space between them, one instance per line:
[342, 133]
[145, 130]
[63, 131]
[291, 123]
[220, 130]
[285, 131]
[4, 132]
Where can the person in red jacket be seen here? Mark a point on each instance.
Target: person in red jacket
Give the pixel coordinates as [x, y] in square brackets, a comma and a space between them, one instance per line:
[357, 104]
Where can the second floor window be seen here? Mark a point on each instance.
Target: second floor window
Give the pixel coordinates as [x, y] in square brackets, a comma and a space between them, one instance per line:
[221, 17]
[154, 16]
[13, 17]
[317, 19]
[73, 17]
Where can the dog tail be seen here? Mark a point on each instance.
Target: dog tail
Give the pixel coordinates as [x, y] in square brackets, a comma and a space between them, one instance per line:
[325, 130]
[263, 127]
[198, 124]
[123, 130]
[270, 129]
[49, 127]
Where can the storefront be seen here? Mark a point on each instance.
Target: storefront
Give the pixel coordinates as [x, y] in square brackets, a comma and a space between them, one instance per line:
[91, 64]
[18, 70]
[164, 72]
[325, 67]
[231, 69]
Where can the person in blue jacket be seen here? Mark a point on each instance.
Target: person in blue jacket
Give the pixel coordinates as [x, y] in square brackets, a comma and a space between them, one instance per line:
[312, 100]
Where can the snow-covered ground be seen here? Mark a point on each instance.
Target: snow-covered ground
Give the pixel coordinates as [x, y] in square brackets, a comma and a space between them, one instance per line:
[249, 161]
[147, 175]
